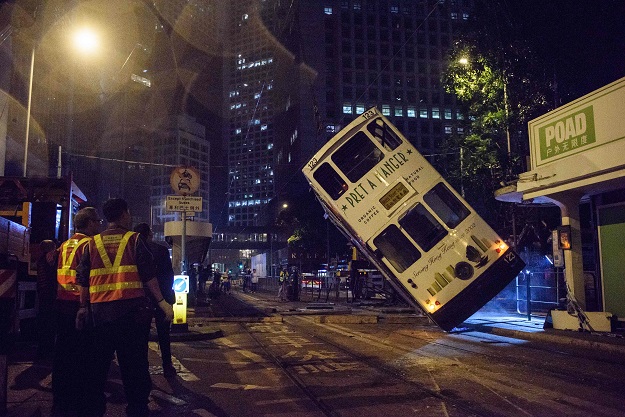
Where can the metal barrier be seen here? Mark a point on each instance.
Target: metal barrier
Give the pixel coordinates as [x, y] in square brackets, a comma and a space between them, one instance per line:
[539, 291]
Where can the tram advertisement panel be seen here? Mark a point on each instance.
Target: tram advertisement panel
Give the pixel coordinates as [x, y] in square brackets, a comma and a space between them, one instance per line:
[418, 231]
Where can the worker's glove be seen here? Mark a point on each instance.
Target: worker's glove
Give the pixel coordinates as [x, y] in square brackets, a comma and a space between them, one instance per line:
[167, 309]
[81, 318]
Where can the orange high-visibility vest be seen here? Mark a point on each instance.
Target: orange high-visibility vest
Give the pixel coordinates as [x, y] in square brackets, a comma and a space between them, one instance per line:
[70, 253]
[117, 279]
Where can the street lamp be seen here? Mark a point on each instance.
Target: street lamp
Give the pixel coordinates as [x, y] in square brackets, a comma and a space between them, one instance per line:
[86, 41]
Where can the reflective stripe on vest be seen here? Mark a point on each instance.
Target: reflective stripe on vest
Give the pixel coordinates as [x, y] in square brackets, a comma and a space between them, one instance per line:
[67, 288]
[113, 281]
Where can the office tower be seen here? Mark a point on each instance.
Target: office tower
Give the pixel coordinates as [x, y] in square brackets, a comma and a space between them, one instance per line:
[389, 54]
[301, 70]
[265, 83]
[181, 142]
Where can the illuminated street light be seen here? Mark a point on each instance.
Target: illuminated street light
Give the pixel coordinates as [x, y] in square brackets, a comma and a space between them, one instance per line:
[86, 41]
[463, 61]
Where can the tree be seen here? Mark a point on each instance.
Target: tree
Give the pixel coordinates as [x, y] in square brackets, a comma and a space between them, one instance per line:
[499, 85]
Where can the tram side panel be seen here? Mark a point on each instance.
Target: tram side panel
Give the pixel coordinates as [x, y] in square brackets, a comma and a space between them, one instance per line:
[409, 222]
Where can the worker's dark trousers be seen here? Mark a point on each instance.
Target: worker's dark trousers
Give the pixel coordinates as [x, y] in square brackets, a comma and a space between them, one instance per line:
[164, 339]
[128, 338]
[73, 389]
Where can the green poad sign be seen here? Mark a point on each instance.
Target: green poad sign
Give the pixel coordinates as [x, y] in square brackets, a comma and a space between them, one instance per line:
[567, 134]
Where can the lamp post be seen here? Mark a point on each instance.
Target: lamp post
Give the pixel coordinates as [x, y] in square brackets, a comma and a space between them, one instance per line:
[85, 41]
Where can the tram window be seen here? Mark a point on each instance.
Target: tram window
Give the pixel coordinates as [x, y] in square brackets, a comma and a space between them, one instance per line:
[357, 156]
[422, 227]
[383, 134]
[446, 206]
[396, 247]
[330, 180]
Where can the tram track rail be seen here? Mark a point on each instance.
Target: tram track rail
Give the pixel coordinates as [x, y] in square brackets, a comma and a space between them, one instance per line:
[471, 371]
[366, 362]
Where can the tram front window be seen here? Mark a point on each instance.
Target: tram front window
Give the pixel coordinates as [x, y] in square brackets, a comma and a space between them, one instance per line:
[357, 156]
[396, 247]
[330, 180]
[384, 134]
[446, 206]
[422, 227]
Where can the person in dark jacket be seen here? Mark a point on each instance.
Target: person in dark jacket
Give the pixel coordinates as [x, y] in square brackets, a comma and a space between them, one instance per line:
[117, 279]
[165, 277]
[46, 295]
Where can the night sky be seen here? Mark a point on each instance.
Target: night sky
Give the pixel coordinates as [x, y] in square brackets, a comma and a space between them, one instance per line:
[583, 40]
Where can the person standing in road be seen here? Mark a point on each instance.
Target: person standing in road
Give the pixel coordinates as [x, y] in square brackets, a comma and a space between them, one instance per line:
[114, 272]
[46, 295]
[282, 284]
[165, 277]
[254, 280]
[246, 279]
[72, 386]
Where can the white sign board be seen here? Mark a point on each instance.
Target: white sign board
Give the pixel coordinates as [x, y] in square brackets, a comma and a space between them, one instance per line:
[579, 127]
[183, 203]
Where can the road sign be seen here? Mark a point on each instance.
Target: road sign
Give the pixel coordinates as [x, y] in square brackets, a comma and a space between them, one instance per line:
[181, 284]
[184, 180]
[183, 203]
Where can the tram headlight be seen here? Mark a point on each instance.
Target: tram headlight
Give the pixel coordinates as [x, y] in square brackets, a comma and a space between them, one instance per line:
[501, 246]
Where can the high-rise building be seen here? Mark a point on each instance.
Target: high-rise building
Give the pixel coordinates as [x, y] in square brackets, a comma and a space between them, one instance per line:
[301, 70]
[265, 78]
[182, 142]
[390, 54]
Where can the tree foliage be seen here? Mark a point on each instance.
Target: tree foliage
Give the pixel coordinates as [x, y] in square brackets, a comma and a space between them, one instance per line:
[499, 86]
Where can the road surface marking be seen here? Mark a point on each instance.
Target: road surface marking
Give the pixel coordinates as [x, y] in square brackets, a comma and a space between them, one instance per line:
[169, 398]
[243, 387]
[181, 371]
[203, 413]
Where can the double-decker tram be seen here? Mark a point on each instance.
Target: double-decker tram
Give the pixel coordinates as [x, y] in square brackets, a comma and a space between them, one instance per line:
[409, 222]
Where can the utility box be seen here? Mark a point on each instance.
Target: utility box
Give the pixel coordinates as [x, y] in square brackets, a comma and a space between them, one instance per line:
[599, 321]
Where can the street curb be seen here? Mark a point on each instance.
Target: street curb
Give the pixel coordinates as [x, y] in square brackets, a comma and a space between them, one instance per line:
[546, 337]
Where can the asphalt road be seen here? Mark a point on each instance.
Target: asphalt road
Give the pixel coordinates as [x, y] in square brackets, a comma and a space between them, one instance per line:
[254, 356]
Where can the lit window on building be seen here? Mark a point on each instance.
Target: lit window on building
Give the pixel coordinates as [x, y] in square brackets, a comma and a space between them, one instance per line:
[460, 130]
[330, 129]
[360, 108]
[411, 112]
[447, 113]
[454, 16]
[270, 146]
[327, 10]
[448, 129]
[263, 127]
[436, 113]
[386, 110]
[357, 5]
[347, 108]
[465, 16]
[423, 113]
[245, 16]
[399, 111]
[459, 115]
[395, 9]
[237, 131]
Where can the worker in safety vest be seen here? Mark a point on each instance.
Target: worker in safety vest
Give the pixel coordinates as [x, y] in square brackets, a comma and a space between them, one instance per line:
[283, 281]
[73, 393]
[117, 274]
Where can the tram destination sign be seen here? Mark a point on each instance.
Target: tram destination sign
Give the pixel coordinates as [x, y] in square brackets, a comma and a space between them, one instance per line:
[183, 203]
